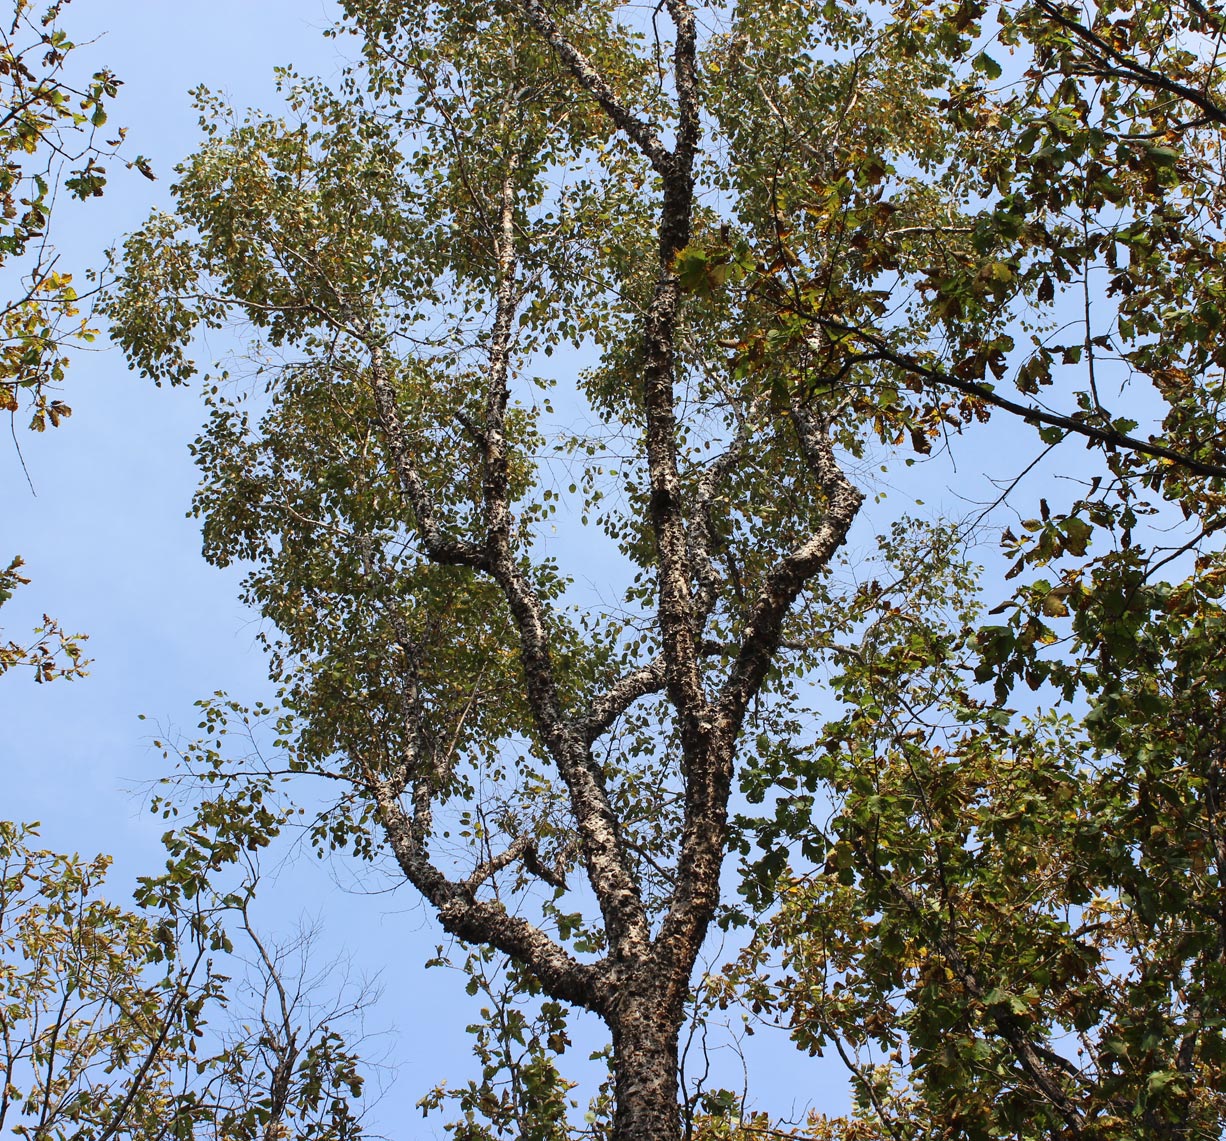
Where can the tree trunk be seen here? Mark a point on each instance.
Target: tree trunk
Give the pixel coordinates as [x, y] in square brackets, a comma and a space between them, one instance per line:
[645, 1037]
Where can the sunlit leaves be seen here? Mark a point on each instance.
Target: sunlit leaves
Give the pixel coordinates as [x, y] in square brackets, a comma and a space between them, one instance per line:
[54, 653]
[901, 218]
[995, 908]
[48, 138]
[127, 1023]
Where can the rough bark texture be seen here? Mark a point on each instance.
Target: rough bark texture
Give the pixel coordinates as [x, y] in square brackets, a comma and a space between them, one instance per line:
[645, 1036]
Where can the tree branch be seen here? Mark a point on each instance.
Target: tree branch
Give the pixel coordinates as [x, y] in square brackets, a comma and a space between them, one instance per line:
[1130, 68]
[708, 786]
[614, 701]
[787, 579]
[606, 859]
[1107, 436]
[440, 547]
[491, 867]
[643, 134]
[479, 921]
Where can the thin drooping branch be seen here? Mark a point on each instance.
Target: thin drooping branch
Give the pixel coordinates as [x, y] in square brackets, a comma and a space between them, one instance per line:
[1106, 436]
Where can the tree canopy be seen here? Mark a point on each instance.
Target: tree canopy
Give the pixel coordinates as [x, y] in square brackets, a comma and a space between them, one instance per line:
[541, 292]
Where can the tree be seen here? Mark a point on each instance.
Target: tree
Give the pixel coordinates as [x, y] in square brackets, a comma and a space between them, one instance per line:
[105, 1012]
[1006, 930]
[792, 240]
[1015, 929]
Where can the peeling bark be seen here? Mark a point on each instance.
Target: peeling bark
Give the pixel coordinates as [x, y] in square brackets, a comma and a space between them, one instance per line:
[645, 1069]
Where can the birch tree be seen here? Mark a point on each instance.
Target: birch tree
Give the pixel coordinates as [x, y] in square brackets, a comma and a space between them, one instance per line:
[675, 283]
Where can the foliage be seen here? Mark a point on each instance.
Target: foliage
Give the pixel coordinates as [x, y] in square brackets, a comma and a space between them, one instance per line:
[56, 653]
[791, 242]
[520, 1092]
[78, 1006]
[50, 139]
[1005, 924]
[104, 1016]
[993, 937]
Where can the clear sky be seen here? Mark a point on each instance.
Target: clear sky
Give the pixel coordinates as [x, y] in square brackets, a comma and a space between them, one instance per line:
[109, 548]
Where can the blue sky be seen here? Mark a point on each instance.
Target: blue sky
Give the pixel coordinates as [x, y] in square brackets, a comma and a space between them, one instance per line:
[103, 530]
[107, 543]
